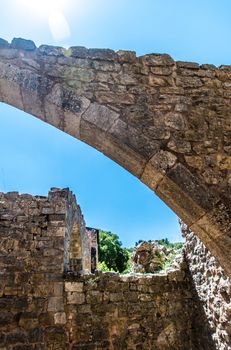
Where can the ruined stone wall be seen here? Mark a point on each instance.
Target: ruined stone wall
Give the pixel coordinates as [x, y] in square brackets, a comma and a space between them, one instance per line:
[33, 233]
[43, 307]
[212, 296]
[108, 311]
[96, 312]
[33, 237]
[48, 229]
[166, 122]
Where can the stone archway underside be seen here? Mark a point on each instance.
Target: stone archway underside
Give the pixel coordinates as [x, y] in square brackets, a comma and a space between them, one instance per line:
[166, 122]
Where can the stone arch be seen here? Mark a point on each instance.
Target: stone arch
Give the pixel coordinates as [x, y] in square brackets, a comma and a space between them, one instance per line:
[166, 122]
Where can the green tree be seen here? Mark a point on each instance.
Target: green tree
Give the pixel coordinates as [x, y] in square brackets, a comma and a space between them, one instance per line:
[166, 243]
[139, 241]
[111, 252]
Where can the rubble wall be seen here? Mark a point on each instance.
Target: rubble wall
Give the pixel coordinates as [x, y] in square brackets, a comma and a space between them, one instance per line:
[95, 312]
[109, 311]
[44, 306]
[212, 296]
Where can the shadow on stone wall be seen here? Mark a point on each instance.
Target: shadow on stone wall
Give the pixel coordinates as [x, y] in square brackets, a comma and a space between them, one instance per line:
[201, 332]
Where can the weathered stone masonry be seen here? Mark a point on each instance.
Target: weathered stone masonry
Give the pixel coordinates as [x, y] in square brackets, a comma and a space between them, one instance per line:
[167, 122]
[42, 306]
[49, 228]
[211, 321]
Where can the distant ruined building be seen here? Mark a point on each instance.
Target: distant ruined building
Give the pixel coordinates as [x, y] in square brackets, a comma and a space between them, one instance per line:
[169, 124]
[93, 237]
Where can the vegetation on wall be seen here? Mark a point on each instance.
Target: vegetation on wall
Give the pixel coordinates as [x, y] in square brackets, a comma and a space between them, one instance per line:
[115, 258]
[165, 242]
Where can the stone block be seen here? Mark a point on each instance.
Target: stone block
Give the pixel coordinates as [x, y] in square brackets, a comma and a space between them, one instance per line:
[117, 296]
[156, 168]
[192, 187]
[179, 201]
[102, 54]
[36, 335]
[47, 210]
[84, 309]
[157, 60]
[126, 56]
[22, 44]
[78, 51]
[101, 116]
[51, 252]
[56, 335]
[74, 286]
[94, 297]
[28, 320]
[75, 298]
[58, 288]
[6, 318]
[107, 143]
[60, 318]
[3, 43]
[51, 50]
[55, 304]
[131, 296]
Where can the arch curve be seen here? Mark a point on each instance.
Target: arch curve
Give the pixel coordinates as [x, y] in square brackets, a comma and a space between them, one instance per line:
[166, 122]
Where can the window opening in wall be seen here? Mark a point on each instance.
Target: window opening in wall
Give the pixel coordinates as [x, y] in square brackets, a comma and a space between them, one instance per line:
[93, 259]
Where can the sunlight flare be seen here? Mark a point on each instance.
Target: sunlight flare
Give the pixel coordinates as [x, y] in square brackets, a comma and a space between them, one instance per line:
[59, 26]
[53, 11]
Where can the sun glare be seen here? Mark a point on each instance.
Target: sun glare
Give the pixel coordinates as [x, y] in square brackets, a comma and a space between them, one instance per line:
[59, 26]
[53, 11]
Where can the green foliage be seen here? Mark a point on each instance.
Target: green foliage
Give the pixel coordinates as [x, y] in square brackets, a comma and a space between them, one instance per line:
[128, 268]
[113, 257]
[103, 267]
[139, 241]
[111, 253]
[178, 245]
[165, 242]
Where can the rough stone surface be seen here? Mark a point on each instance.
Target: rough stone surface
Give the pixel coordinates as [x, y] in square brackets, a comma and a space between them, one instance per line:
[4, 43]
[19, 43]
[48, 229]
[129, 312]
[47, 304]
[136, 110]
[147, 258]
[151, 257]
[212, 294]
[43, 306]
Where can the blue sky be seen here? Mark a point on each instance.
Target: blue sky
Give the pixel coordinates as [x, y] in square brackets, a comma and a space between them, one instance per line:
[35, 156]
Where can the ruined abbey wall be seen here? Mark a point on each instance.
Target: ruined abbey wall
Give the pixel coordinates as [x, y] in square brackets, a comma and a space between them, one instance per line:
[46, 304]
[49, 229]
[211, 289]
[50, 300]
[108, 311]
[166, 122]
